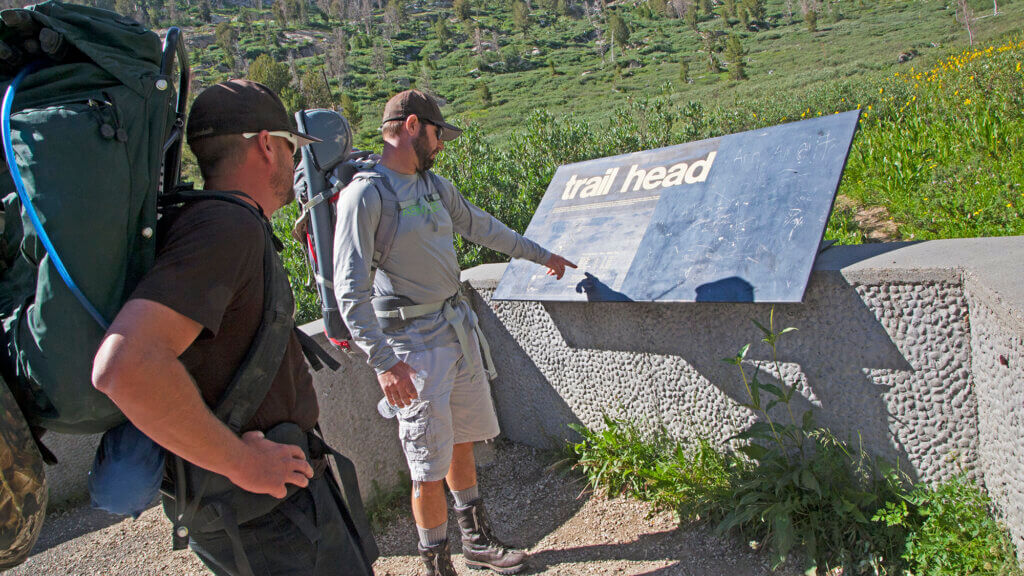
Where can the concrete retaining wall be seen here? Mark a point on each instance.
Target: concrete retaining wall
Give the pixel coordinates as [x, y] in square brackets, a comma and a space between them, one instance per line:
[913, 349]
[917, 350]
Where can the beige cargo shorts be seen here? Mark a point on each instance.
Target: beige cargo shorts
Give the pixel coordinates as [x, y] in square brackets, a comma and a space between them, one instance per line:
[454, 407]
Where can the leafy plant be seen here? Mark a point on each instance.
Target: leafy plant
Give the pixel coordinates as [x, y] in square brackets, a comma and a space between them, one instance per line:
[809, 489]
[951, 531]
[695, 481]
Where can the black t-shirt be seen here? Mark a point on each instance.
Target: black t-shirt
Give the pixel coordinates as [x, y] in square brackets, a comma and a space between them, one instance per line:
[209, 267]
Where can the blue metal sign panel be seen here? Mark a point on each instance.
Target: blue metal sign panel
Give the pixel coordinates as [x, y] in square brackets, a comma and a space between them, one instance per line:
[732, 219]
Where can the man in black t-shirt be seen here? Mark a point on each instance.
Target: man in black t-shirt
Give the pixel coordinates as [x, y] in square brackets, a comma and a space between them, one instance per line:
[177, 343]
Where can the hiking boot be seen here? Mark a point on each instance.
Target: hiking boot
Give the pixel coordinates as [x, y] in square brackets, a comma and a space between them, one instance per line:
[479, 546]
[437, 559]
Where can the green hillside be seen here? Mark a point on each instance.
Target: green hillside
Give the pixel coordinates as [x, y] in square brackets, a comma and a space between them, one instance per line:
[493, 72]
[540, 83]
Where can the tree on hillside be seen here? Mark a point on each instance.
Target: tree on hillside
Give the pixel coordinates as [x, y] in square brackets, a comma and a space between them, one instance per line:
[350, 110]
[337, 55]
[441, 31]
[755, 9]
[394, 15]
[811, 20]
[484, 94]
[734, 55]
[462, 9]
[366, 15]
[281, 12]
[681, 7]
[227, 39]
[425, 81]
[659, 7]
[315, 90]
[478, 42]
[691, 18]
[266, 71]
[521, 16]
[245, 19]
[204, 11]
[618, 29]
[729, 8]
[684, 72]
[380, 59]
[964, 14]
[709, 47]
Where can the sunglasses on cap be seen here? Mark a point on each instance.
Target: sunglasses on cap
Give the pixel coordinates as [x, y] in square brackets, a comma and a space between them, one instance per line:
[291, 138]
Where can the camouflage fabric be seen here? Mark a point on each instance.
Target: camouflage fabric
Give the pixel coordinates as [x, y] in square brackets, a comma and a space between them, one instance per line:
[22, 484]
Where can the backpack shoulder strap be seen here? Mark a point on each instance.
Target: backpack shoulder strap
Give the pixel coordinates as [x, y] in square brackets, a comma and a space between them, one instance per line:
[387, 227]
[252, 380]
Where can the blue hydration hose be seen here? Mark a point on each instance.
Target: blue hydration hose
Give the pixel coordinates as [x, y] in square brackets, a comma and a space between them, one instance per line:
[26, 202]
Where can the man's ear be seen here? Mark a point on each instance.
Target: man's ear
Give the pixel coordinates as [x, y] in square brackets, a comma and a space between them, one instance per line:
[265, 146]
[412, 124]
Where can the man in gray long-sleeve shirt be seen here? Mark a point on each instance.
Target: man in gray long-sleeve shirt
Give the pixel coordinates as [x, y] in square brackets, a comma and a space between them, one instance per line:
[419, 333]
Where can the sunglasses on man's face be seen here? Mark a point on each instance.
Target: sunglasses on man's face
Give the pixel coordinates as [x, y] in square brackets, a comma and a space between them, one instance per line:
[291, 138]
[440, 129]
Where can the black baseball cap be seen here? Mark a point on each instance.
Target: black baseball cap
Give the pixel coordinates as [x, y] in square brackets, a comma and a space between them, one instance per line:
[405, 104]
[237, 107]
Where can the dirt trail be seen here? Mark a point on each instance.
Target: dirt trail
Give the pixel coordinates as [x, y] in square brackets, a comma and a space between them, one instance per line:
[531, 505]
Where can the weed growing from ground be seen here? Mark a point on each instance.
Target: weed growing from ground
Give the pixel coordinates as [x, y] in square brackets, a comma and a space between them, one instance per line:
[950, 531]
[808, 488]
[694, 480]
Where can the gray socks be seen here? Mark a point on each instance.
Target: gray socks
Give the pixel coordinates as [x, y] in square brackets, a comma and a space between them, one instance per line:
[433, 536]
[463, 497]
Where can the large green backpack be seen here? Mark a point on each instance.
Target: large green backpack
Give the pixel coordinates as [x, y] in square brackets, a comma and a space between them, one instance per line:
[93, 127]
[88, 129]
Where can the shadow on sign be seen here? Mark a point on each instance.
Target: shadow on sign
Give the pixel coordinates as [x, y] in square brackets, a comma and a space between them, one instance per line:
[731, 289]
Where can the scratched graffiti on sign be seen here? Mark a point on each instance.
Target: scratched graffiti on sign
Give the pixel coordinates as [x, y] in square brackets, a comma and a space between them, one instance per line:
[732, 219]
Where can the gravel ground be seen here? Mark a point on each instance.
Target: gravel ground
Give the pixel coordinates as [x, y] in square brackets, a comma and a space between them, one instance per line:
[532, 507]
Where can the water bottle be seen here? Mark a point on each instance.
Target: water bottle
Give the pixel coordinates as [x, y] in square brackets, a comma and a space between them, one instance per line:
[389, 410]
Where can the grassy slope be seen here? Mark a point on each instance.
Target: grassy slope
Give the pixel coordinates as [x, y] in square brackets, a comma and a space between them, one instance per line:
[785, 59]
[943, 157]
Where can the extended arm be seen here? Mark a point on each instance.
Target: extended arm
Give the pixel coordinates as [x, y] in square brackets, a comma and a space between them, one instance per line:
[481, 228]
[137, 366]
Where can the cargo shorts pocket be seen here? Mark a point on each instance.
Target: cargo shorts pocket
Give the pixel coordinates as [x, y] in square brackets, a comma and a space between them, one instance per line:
[414, 430]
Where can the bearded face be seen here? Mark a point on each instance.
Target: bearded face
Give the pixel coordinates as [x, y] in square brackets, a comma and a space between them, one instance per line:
[282, 178]
[425, 154]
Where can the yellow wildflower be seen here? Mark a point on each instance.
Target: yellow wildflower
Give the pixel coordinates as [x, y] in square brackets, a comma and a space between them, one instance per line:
[967, 101]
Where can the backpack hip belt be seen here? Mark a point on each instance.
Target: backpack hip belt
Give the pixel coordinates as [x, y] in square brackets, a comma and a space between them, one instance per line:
[456, 310]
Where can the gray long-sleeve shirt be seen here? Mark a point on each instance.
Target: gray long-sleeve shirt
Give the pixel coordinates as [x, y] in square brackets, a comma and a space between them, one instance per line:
[422, 264]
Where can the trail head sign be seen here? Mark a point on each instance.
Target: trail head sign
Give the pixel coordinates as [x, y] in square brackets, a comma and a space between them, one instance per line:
[738, 218]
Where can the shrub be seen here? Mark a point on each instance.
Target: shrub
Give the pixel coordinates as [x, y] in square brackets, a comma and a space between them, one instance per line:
[951, 531]
[695, 480]
[809, 489]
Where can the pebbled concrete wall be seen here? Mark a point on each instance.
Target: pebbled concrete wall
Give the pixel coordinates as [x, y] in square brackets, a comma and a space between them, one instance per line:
[997, 355]
[900, 346]
[915, 349]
